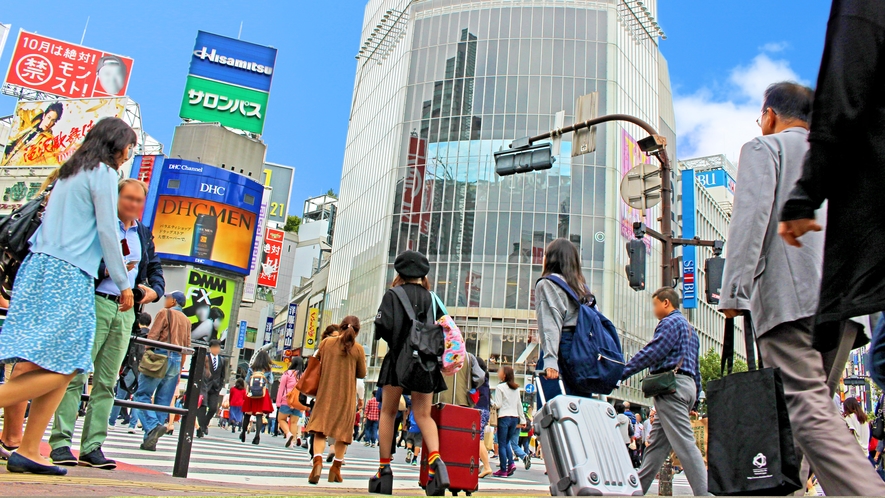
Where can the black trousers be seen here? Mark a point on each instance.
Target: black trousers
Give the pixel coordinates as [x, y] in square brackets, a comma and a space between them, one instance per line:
[208, 409]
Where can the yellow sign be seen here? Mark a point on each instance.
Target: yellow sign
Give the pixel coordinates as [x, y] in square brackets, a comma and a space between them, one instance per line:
[279, 367]
[313, 316]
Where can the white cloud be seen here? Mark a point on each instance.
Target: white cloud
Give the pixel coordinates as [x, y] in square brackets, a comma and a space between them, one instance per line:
[709, 124]
[774, 47]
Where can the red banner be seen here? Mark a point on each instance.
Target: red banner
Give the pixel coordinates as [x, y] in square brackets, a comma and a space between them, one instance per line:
[66, 69]
[417, 191]
[270, 261]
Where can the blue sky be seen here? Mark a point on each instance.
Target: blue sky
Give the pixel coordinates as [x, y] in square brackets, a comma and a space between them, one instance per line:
[721, 55]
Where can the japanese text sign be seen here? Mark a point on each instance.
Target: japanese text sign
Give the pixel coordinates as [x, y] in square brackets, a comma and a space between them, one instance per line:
[233, 106]
[270, 260]
[47, 133]
[66, 69]
[290, 325]
[209, 305]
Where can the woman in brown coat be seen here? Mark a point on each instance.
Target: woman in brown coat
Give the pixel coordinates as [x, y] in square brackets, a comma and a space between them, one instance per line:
[342, 361]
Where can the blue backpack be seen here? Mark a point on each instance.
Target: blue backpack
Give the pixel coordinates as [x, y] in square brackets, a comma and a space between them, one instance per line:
[590, 359]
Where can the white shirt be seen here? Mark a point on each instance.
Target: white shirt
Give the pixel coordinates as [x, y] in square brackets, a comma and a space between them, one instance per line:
[508, 402]
[860, 431]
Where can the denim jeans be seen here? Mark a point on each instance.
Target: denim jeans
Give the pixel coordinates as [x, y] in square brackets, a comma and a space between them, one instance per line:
[371, 431]
[161, 390]
[115, 411]
[506, 430]
[514, 443]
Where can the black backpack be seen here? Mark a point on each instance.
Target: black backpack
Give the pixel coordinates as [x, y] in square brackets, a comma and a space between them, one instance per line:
[15, 232]
[420, 361]
[878, 425]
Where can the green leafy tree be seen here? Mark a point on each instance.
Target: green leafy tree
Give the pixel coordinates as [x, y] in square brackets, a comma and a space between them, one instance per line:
[292, 224]
[331, 193]
[711, 364]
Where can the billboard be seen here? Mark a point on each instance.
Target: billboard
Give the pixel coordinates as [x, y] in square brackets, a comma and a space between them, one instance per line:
[233, 61]
[250, 289]
[232, 106]
[270, 257]
[206, 215]
[143, 167]
[279, 178]
[417, 191]
[689, 253]
[715, 178]
[290, 326]
[4, 32]
[631, 155]
[228, 82]
[208, 305]
[46, 133]
[66, 69]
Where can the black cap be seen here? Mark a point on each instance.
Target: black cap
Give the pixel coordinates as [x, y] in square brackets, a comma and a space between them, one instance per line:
[412, 264]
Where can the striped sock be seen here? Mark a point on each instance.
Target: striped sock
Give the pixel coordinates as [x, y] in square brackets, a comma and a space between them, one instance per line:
[384, 463]
[432, 457]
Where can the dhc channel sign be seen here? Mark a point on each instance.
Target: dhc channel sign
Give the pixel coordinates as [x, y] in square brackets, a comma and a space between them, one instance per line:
[205, 215]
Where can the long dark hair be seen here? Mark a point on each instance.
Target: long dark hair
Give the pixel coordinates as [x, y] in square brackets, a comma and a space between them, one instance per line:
[562, 257]
[484, 367]
[262, 362]
[350, 328]
[510, 377]
[851, 405]
[103, 144]
[296, 363]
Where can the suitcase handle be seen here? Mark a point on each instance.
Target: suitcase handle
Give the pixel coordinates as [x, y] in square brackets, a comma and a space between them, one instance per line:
[536, 380]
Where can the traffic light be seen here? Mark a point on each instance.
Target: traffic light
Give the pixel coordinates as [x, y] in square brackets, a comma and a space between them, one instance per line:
[636, 268]
[524, 159]
[713, 270]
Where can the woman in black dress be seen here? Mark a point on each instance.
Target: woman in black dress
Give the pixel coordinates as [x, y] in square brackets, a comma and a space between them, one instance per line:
[393, 325]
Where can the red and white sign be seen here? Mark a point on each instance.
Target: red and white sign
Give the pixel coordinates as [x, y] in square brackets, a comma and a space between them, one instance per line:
[66, 69]
[270, 261]
[147, 168]
[417, 191]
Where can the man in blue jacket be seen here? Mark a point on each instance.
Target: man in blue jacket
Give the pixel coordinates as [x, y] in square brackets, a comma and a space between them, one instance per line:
[112, 334]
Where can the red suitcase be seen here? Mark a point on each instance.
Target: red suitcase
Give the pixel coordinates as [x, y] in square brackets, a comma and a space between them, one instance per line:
[459, 430]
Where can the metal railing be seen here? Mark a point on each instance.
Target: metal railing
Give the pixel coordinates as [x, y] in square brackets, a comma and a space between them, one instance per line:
[192, 399]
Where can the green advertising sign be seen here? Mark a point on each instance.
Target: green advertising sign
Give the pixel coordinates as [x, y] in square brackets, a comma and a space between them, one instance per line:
[232, 106]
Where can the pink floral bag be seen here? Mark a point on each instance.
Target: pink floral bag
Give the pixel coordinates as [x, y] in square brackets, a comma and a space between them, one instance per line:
[456, 351]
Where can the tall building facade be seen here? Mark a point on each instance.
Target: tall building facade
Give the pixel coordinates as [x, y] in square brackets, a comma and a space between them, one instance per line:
[441, 85]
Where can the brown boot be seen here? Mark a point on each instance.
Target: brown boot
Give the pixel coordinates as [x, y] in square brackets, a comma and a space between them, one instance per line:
[317, 469]
[335, 471]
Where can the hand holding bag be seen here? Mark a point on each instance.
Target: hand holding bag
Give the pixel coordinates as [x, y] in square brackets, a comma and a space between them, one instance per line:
[662, 383]
[750, 448]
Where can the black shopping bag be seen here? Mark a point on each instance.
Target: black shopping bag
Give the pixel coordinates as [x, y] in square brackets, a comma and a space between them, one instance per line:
[750, 445]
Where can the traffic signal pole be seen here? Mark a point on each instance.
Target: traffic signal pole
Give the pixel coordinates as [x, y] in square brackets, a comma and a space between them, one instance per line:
[654, 145]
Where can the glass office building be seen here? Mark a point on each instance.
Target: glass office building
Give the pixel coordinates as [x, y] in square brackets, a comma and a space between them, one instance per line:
[442, 84]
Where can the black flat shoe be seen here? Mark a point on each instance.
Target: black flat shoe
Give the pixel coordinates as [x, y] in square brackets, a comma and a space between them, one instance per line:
[440, 482]
[243, 437]
[20, 465]
[383, 484]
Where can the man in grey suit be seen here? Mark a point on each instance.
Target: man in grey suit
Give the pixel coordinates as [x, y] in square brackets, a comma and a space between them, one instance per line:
[778, 284]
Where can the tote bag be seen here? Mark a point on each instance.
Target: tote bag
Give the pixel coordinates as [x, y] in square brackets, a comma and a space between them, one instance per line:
[750, 447]
[309, 383]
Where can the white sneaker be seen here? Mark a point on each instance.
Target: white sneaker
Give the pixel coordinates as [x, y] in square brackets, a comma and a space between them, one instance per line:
[133, 430]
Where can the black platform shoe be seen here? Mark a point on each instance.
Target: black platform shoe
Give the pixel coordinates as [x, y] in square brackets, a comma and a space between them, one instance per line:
[382, 483]
[440, 482]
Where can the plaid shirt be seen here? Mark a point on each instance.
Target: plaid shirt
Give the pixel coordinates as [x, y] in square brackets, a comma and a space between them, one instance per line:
[667, 348]
[373, 410]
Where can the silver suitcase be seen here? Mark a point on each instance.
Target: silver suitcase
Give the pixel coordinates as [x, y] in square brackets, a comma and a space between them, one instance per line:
[583, 449]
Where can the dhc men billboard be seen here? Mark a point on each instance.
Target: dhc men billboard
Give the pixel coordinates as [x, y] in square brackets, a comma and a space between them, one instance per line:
[206, 215]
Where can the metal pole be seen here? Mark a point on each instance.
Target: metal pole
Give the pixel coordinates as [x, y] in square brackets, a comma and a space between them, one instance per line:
[186, 432]
[666, 219]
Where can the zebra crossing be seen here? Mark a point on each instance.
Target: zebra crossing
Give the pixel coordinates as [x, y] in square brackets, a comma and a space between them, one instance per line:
[220, 457]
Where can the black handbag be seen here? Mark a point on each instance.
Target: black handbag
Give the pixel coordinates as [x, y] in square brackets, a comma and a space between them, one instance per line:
[420, 360]
[15, 232]
[662, 382]
[750, 448]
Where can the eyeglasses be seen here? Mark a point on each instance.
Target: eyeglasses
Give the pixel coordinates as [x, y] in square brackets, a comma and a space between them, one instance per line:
[759, 119]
